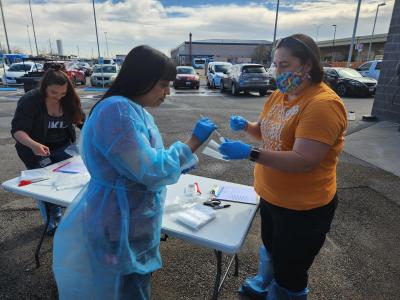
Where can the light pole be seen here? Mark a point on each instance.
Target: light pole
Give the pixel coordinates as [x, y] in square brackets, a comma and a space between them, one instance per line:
[373, 28]
[276, 23]
[333, 43]
[5, 29]
[354, 34]
[29, 38]
[33, 27]
[97, 36]
[108, 53]
[317, 27]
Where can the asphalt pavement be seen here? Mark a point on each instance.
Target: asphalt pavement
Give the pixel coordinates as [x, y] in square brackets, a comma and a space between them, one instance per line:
[360, 258]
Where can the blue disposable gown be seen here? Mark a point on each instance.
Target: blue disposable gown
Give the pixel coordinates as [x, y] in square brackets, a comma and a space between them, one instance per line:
[113, 226]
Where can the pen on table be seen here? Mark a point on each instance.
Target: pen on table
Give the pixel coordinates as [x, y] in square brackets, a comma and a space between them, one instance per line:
[222, 206]
[221, 138]
[27, 182]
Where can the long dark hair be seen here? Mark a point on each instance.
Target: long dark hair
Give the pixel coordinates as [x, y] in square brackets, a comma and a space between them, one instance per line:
[143, 67]
[304, 48]
[70, 103]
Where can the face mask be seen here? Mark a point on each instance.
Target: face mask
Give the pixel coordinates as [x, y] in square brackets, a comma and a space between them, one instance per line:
[288, 81]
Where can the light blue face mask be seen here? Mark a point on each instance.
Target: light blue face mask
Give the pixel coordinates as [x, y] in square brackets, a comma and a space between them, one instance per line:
[289, 81]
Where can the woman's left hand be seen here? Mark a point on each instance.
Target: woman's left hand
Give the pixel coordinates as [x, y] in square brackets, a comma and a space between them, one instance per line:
[235, 150]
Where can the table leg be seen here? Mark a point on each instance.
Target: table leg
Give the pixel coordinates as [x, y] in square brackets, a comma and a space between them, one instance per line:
[236, 266]
[218, 281]
[218, 276]
[43, 235]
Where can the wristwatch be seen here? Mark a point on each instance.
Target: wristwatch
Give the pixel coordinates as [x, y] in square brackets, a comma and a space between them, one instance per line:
[254, 154]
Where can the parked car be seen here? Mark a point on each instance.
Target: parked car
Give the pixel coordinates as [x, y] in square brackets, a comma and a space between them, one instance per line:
[215, 71]
[186, 77]
[70, 68]
[104, 75]
[347, 81]
[85, 67]
[370, 69]
[19, 69]
[246, 78]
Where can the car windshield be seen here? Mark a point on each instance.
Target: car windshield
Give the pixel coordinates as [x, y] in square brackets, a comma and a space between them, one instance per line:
[254, 69]
[349, 73]
[222, 68]
[20, 68]
[199, 61]
[106, 69]
[185, 71]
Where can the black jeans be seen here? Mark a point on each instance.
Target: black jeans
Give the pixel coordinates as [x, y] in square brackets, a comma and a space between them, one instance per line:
[294, 238]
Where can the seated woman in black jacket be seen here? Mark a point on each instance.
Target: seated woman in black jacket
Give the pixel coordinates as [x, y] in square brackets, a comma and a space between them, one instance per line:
[43, 126]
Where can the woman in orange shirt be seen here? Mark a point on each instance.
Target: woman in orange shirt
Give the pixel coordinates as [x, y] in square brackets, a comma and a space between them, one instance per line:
[301, 130]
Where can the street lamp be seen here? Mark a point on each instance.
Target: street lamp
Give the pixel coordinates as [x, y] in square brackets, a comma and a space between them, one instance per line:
[317, 27]
[373, 28]
[108, 53]
[29, 38]
[33, 27]
[354, 34]
[5, 29]
[276, 23]
[97, 36]
[333, 42]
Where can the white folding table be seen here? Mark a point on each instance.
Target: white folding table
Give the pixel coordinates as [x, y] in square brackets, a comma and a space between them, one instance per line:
[224, 234]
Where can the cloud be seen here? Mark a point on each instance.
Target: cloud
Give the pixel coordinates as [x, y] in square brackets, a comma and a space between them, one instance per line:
[133, 22]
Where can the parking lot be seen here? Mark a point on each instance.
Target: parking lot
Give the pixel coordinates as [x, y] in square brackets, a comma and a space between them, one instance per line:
[358, 261]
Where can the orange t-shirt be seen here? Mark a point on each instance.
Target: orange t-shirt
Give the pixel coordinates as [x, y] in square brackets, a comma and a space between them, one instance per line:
[318, 114]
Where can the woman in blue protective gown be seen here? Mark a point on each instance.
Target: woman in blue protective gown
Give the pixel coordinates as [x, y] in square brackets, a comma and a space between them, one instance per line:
[107, 245]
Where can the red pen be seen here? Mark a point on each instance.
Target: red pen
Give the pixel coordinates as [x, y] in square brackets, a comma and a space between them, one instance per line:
[197, 188]
[27, 182]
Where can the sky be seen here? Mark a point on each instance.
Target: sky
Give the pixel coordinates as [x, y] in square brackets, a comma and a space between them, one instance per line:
[165, 24]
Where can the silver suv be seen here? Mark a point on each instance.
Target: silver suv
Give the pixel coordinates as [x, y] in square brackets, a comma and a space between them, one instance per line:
[246, 78]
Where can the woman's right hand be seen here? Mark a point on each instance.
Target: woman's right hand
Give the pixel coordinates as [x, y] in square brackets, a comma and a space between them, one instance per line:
[203, 129]
[41, 150]
[238, 123]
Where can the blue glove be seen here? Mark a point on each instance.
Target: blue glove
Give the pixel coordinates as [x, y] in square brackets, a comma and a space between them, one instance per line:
[235, 150]
[203, 129]
[238, 123]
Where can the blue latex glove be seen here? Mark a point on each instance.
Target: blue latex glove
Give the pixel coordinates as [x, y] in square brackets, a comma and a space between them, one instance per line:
[203, 129]
[238, 123]
[235, 150]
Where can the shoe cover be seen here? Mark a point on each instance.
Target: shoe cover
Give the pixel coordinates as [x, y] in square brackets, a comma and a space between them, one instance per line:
[258, 285]
[277, 292]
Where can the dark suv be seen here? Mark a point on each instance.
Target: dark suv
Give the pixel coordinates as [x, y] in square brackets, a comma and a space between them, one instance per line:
[247, 78]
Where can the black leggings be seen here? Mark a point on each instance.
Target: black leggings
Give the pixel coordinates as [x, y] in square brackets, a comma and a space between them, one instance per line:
[294, 238]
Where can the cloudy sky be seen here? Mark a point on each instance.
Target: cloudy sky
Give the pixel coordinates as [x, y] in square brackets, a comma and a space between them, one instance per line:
[165, 24]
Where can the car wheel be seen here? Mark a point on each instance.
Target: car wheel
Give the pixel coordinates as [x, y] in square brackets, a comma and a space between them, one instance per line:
[221, 87]
[73, 81]
[197, 86]
[341, 90]
[83, 82]
[262, 93]
[234, 90]
[213, 85]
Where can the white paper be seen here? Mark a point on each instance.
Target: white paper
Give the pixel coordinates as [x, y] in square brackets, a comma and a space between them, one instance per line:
[212, 153]
[237, 194]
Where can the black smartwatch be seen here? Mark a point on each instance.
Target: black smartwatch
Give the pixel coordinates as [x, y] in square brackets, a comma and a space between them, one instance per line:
[254, 154]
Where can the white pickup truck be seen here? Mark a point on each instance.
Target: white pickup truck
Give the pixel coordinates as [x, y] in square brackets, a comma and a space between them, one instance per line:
[370, 69]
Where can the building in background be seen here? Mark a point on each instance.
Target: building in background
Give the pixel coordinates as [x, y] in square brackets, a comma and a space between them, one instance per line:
[234, 51]
[60, 50]
[339, 49]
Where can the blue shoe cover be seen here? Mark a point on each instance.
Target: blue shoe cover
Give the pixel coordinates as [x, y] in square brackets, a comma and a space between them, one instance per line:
[277, 292]
[257, 286]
